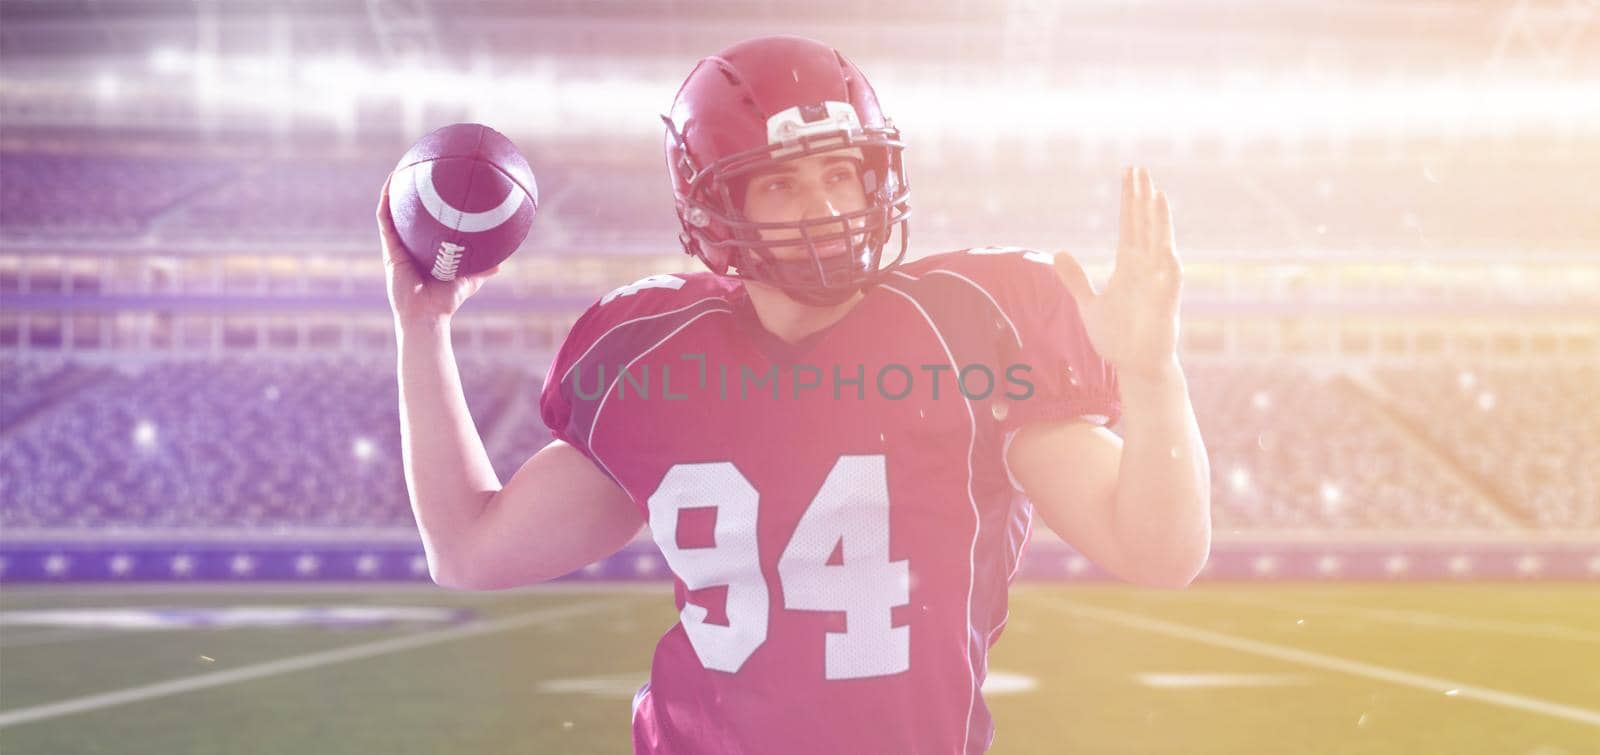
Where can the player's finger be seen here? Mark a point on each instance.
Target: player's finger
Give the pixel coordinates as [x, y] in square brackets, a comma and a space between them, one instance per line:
[1074, 277]
[1152, 232]
[383, 200]
[390, 238]
[1125, 238]
[1166, 243]
[1146, 229]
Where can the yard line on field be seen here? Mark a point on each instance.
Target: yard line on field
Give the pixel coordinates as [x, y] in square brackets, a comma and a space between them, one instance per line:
[1418, 618]
[296, 663]
[24, 633]
[1194, 681]
[1456, 689]
[54, 636]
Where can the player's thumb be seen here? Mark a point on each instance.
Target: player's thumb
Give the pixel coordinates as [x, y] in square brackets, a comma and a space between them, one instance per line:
[1073, 277]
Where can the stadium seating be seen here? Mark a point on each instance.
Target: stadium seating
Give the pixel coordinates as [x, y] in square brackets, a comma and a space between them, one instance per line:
[1289, 451]
[259, 444]
[223, 444]
[65, 197]
[1533, 438]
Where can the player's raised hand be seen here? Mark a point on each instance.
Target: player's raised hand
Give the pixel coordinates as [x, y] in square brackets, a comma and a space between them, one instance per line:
[416, 298]
[1133, 323]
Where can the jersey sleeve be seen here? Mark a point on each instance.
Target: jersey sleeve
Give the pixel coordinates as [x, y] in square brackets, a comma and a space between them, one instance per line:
[1047, 337]
[559, 404]
[606, 338]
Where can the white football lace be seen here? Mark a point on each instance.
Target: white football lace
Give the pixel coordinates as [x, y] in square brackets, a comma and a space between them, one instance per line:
[447, 260]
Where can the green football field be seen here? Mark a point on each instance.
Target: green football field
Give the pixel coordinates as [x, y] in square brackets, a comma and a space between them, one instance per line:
[1218, 668]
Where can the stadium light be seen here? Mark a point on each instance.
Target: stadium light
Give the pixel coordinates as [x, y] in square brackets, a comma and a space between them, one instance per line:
[1331, 493]
[364, 448]
[1239, 478]
[167, 60]
[1106, 106]
[144, 434]
[107, 86]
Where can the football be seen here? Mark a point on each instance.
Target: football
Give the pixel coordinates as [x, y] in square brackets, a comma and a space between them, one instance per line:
[462, 200]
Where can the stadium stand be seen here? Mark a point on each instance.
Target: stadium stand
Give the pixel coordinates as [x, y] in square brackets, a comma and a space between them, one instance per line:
[224, 444]
[1548, 471]
[243, 443]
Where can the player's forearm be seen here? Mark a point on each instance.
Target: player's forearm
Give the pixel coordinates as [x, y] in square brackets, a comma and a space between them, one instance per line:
[1163, 503]
[448, 473]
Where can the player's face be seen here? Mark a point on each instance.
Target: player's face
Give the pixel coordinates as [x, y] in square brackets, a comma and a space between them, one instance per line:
[814, 186]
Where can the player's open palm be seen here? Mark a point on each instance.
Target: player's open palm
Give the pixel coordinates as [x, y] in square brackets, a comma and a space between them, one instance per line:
[413, 295]
[1133, 323]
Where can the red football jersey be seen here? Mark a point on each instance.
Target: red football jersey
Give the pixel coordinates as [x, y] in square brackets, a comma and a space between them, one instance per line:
[837, 514]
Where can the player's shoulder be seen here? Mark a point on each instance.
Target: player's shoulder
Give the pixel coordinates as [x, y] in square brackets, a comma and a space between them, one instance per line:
[665, 289]
[1001, 273]
[983, 261]
[663, 295]
[631, 317]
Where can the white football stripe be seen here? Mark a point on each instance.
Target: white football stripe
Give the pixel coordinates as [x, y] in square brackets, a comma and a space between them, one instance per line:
[465, 222]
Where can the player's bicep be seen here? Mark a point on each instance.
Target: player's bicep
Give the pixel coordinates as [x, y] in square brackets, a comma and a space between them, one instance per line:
[1068, 469]
[557, 513]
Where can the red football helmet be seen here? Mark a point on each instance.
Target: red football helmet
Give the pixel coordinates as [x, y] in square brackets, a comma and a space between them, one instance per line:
[763, 102]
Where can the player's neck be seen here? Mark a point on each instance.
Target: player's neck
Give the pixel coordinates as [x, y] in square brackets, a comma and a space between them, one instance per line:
[790, 320]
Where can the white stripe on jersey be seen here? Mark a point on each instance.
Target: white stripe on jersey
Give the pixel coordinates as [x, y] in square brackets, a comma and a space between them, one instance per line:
[977, 520]
[640, 318]
[1015, 334]
[595, 423]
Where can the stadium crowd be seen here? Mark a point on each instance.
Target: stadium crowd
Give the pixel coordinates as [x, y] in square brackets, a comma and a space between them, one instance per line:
[252, 443]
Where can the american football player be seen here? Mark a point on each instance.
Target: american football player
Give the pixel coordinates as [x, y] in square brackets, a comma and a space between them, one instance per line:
[838, 450]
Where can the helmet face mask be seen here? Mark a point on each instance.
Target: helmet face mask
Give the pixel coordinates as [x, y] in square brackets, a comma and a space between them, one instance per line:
[717, 108]
[864, 231]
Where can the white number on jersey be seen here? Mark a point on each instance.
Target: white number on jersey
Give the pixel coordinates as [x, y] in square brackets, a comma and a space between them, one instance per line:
[734, 561]
[851, 510]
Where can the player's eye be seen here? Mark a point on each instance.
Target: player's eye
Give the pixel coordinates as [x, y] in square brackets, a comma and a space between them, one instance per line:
[776, 184]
